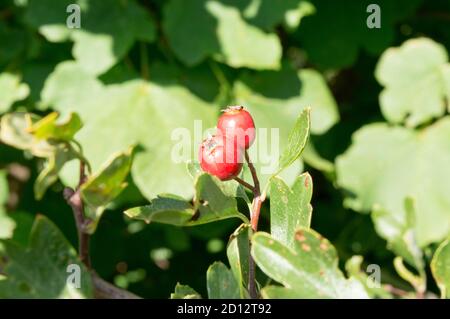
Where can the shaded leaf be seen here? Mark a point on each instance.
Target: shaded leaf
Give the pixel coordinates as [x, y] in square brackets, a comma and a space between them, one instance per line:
[210, 204]
[108, 30]
[7, 224]
[220, 282]
[184, 292]
[350, 34]
[41, 270]
[221, 32]
[164, 209]
[238, 252]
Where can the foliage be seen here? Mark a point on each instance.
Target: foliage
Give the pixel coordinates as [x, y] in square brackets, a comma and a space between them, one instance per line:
[104, 122]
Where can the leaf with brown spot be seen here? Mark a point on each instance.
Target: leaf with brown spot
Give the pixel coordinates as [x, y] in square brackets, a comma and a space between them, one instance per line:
[305, 270]
[290, 208]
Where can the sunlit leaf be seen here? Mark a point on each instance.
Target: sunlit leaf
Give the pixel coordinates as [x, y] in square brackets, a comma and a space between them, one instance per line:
[387, 164]
[308, 270]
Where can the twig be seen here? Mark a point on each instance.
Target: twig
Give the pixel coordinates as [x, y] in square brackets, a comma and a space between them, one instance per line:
[244, 183]
[396, 291]
[105, 290]
[75, 201]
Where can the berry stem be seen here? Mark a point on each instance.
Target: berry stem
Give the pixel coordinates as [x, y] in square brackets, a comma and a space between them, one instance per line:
[73, 198]
[254, 218]
[244, 183]
[257, 200]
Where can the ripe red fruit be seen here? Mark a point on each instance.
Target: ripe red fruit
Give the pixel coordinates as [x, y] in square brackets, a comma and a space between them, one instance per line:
[220, 157]
[237, 123]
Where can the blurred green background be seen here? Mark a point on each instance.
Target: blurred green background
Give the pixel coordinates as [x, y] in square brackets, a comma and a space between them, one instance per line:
[132, 64]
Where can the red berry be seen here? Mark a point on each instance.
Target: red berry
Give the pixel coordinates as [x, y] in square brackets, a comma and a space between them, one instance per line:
[237, 123]
[220, 157]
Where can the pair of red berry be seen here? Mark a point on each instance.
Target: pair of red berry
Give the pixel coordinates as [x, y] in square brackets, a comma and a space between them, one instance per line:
[222, 155]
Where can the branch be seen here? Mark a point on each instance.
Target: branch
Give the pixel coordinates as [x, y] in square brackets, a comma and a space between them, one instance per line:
[73, 198]
[396, 291]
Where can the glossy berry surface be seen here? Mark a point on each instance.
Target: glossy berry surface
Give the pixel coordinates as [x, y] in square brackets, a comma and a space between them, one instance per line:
[220, 157]
[237, 123]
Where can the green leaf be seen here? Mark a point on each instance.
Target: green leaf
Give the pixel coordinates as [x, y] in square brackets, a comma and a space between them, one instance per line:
[373, 289]
[49, 174]
[108, 30]
[7, 224]
[164, 209]
[220, 282]
[41, 270]
[20, 129]
[415, 78]
[403, 164]
[211, 204]
[14, 131]
[309, 270]
[241, 44]
[275, 98]
[238, 252]
[104, 185]
[290, 209]
[50, 128]
[184, 292]
[221, 32]
[419, 282]
[12, 90]
[440, 267]
[350, 34]
[399, 233]
[296, 141]
[163, 117]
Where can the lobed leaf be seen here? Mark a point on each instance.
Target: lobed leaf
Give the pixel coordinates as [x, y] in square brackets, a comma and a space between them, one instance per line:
[41, 270]
[415, 77]
[413, 164]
